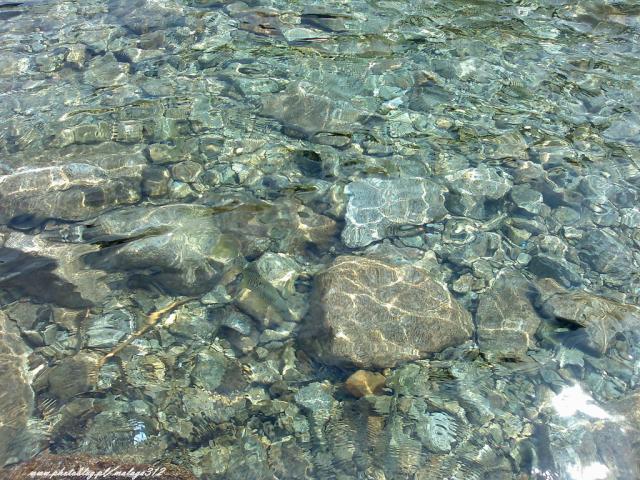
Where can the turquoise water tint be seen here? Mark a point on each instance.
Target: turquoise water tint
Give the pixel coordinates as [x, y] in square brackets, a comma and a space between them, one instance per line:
[322, 239]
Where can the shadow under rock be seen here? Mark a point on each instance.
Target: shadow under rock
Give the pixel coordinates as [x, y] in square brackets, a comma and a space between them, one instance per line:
[24, 275]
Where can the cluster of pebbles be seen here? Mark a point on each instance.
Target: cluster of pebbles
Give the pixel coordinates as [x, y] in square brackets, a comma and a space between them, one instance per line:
[321, 240]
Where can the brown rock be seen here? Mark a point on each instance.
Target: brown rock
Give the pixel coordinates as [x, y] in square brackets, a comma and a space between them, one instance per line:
[74, 375]
[363, 383]
[375, 314]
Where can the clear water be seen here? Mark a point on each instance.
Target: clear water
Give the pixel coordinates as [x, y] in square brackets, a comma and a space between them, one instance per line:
[177, 175]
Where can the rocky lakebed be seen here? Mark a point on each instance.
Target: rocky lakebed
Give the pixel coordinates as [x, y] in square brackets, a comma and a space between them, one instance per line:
[329, 240]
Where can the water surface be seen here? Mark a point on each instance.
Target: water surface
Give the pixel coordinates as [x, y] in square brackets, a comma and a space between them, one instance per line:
[178, 178]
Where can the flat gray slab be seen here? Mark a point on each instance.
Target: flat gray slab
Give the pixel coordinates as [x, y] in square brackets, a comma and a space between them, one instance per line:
[377, 206]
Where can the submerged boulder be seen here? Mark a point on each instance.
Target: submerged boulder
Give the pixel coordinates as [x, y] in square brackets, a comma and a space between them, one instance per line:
[473, 189]
[378, 207]
[188, 248]
[506, 318]
[374, 314]
[606, 254]
[308, 113]
[71, 192]
[179, 246]
[602, 319]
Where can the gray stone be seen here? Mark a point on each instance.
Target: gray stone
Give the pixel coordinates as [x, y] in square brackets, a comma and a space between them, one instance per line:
[481, 181]
[605, 215]
[410, 380]
[233, 319]
[378, 207]
[518, 236]
[217, 296]
[596, 188]
[601, 318]
[180, 190]
[302, 35]
[210, 461]
[267, 290]
[606, 254]
[85, 134]
[77, 55]
[552, 245]
[107, 330]
[508, 145]
[279, 270]
[373, 314]
[74, 375]
[146, 371]
[259, 298]
[186, 171]
[306, 113]
[106, 71]
[628, 406]
[179, 246]
[215, 408]
[506, 319]
[566, 216]
[315, 397]
[531, 225]
[438, 432]
[484, 245]
[427, 96]
[624, 129]
[12, 64]
[282, 226]
[71, 192]
[328, 18]
[194, 324]
[472, 187]
[51, 61]
[467, 283]
[163, 153]
[209, 369]
[631, 217]
[549, 266]
[155, 182]
[523, 258]
[527, 198]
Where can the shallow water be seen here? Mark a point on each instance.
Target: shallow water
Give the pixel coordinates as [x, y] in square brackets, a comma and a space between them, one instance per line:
[213, 213]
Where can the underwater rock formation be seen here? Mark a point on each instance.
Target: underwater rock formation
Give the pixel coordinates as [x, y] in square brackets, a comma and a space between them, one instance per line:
[75, 191]
[307, 113]
[601, 318]
[377, 207]
[506, 318]
[374, 314]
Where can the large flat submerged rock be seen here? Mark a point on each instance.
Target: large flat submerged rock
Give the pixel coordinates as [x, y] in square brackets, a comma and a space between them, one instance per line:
[378, 206]
[71, 192]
